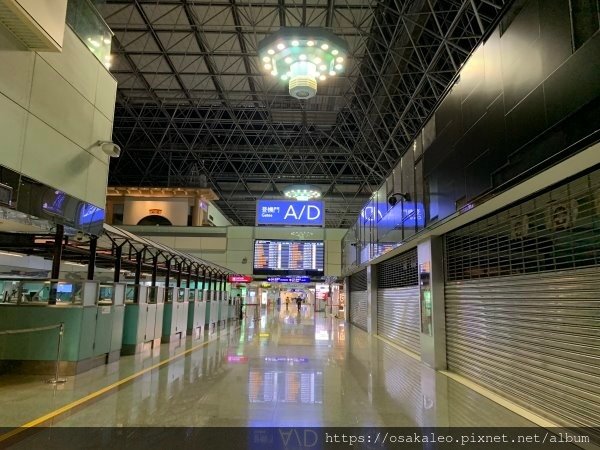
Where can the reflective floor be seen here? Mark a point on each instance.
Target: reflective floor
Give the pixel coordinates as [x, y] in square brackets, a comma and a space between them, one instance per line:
[288, 368]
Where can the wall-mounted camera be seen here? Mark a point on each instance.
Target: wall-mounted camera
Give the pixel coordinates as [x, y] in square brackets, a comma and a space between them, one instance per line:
[108, 147]
[393, 199]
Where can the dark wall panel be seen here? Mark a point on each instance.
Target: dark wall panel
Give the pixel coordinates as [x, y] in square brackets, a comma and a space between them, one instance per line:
[574, 83]
[555, 29]
[522, 102]
[527, 119]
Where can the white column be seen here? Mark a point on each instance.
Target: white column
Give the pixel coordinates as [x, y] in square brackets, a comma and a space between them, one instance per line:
[372, 299]
[433, 315]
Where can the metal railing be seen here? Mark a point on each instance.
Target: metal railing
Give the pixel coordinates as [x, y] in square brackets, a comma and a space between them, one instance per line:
[61, 332]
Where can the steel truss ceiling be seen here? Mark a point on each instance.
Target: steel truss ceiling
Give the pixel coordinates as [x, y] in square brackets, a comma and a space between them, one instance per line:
[194, 108]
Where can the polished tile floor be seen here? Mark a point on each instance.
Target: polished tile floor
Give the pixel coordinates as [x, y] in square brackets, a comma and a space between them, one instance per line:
[287, 368]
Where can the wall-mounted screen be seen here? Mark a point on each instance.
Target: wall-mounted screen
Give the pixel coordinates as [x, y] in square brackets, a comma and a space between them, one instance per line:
[275, 257]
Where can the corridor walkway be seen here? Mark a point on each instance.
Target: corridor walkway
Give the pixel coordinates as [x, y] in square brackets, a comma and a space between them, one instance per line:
[286, 369]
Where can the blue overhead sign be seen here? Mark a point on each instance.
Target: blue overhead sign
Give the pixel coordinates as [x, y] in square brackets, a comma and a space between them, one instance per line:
[289, 212]
[409, 216]
[288, 279]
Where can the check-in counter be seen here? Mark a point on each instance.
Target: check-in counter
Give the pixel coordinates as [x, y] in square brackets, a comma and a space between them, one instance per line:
[156, 297]
[212, 311]
[223, 309]
[36, 307]
[141, 315]
[176, 314]
[111, 306]
[196, 314]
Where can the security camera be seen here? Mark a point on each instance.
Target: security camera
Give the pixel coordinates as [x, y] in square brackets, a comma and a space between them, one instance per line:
[111, 149]
[80, 236]
[108, 147]
[393, 199]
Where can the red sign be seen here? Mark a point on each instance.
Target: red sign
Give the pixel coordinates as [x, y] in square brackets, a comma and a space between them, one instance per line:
[239, 279]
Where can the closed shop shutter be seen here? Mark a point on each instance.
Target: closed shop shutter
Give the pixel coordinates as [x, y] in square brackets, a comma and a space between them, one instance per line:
[398, 301]
[523, 302]
[358, 299]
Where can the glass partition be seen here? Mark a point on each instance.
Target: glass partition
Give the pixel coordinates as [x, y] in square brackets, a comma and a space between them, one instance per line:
[182, 297]
[130, 293]
[88, 24]
[107, 292]
[152, 294]
[40, 292]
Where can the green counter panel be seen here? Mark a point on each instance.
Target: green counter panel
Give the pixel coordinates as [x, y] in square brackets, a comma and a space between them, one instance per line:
[117, 329]
[78, 339]
[104, 324]
[134, 326]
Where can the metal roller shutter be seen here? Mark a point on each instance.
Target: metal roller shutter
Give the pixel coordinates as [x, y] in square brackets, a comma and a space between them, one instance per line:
[398, 316]
[358, 299]
[398, 301]
[523, 302]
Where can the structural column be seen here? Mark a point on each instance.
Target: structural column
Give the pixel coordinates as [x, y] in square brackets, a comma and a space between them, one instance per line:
[372, 299]
[56, 258]
[92, 257]
[347, 302]
[432, 305]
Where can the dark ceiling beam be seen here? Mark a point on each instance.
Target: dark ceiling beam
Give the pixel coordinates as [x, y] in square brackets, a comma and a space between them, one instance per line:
[163, 50]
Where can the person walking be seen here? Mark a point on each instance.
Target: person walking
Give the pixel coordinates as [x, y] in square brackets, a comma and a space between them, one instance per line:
[299, 303]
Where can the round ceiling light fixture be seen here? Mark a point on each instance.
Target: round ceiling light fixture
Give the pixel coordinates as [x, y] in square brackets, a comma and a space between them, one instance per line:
[301, 55]
[302, 192]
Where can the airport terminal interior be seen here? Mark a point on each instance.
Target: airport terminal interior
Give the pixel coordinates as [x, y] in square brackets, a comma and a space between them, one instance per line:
[299, 214]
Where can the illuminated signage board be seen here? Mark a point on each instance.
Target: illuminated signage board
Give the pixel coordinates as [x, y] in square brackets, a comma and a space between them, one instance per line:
[288, 279]
[407, 216]
[289, 212]
[239, 279]
[288, 258]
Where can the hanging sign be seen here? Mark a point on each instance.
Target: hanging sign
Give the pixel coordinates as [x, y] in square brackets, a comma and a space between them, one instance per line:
[290, 212]
[239, 279]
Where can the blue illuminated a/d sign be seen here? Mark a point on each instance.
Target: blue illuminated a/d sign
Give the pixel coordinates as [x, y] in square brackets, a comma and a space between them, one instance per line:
[289, 212]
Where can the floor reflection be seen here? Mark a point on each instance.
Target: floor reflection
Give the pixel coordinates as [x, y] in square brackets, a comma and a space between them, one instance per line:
[293, 367]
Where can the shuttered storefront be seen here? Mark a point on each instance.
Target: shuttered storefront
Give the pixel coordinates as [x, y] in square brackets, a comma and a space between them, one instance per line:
[358, 299]
[398, 301]
[523, 302]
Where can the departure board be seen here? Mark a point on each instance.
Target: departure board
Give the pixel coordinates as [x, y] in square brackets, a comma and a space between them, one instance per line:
[273, 257]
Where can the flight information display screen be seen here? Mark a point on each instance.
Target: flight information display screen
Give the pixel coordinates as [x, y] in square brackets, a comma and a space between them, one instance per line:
[273, 257]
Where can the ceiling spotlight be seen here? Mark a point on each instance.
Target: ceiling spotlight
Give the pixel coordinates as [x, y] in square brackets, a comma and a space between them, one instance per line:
[302, 192]
[266, 59]
[332, 73]
[322, 78]
[307, 55]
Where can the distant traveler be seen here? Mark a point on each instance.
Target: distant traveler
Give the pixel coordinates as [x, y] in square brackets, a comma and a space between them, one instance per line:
[299, 303]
